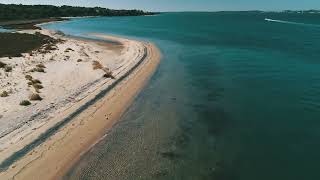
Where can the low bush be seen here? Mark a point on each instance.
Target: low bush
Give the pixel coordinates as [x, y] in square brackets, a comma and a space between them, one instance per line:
[37, 69]
[4, 94]
[28, 77]
[35, 97]
[68, 49]
[2, 64]
[97, 65]
[36, 81]
[40, 66]
[25, 103]
[37, 86]
[7, 68]
[108, 75]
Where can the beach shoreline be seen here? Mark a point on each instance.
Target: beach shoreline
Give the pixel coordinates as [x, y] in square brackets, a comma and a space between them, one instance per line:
[86, 120]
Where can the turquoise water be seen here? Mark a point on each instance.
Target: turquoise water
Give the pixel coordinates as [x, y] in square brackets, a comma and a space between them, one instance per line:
[3, 30]
[235, 97]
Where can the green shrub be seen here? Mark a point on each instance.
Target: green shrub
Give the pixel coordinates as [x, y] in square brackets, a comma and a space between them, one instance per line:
[28, 77]
[25, 103]
[4, 94]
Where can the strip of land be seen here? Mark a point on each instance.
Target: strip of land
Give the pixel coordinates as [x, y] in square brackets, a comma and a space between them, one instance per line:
[28, 24]
[83, 86]
[18, 16]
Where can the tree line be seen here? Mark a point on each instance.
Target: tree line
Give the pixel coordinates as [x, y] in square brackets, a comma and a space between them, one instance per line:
[27, 12]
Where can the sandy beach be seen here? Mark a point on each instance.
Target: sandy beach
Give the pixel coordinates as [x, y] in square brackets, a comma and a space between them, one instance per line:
[86, 86]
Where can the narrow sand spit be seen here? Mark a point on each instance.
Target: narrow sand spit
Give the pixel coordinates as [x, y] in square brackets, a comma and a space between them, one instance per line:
[79, 105]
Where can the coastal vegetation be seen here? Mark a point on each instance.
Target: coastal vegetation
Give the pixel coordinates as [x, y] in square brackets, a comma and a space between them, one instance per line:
[5, 67]
[25, 103]
[9, 12]
[36, 84]
[107, 72]
[35, 97]
[4, 94]
[18, 16]
[96, 65]
[13, 44]
[38, 69]
[2, 64]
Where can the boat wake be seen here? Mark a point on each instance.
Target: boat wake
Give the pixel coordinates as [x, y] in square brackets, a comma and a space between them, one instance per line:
[290, 22]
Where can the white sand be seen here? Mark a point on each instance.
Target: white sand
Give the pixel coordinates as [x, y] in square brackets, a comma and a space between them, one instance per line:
[68, 85]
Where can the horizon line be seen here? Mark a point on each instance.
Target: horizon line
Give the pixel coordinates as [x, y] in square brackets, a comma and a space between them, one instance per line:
[165, 11]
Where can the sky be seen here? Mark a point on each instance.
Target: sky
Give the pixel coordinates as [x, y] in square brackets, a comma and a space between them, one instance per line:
[183, 5]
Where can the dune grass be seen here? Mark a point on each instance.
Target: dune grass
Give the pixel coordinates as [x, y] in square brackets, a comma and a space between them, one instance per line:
[97, 65]
[107, 72]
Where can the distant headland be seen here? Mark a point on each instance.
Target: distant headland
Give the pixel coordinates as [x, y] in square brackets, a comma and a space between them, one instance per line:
[24, 12]
[18, 16]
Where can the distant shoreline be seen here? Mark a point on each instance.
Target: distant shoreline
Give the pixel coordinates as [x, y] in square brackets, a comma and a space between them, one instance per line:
[28, 24]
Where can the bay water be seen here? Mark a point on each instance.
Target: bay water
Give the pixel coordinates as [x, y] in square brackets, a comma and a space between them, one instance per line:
[236, 97]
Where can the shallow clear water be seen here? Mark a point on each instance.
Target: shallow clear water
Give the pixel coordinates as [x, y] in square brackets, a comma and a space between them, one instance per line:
[3, 30]
[235, 97]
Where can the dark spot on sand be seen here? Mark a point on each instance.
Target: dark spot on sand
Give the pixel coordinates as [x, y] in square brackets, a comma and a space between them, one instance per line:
[170, 155]
[160, 173]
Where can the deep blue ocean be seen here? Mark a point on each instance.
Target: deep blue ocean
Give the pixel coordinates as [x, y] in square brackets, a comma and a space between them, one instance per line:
[236, 97]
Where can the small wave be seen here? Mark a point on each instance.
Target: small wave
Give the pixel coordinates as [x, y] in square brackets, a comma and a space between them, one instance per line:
[291, 22]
